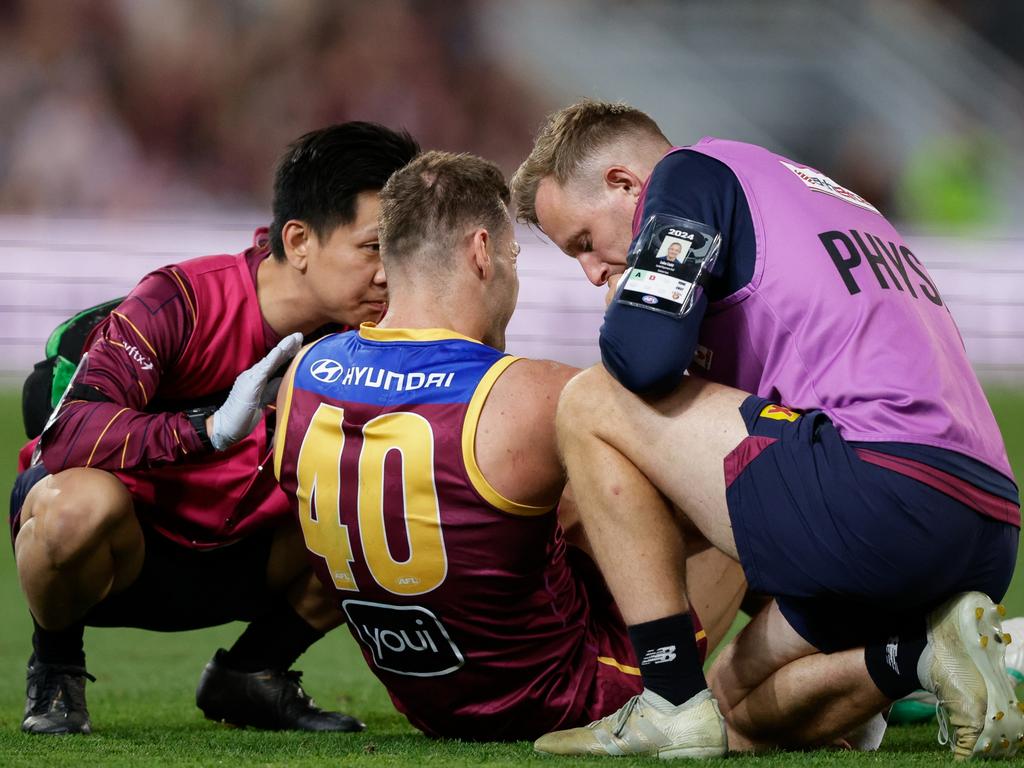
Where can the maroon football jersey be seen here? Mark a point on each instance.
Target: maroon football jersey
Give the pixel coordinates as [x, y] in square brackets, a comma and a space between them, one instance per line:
[463, 601]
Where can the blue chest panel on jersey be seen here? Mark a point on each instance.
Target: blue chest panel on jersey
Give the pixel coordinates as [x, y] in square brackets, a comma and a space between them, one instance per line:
[348, 367]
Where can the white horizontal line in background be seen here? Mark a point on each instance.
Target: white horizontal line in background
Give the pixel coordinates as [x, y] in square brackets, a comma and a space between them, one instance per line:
[51, 268]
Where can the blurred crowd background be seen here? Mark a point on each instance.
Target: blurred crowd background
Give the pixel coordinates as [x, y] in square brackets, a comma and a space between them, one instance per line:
[136, 133]
[121, 106]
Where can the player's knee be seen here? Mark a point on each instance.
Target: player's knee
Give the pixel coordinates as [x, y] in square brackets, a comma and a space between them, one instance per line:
[582, 402]
[76, 512]
[723, 680]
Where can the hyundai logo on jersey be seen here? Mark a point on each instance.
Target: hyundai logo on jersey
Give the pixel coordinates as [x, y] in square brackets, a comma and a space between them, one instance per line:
[326, 370]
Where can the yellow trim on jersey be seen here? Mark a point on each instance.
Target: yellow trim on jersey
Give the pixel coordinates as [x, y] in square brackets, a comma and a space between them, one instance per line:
[476, 477]
[281, 430]
[371, 332]
[619, 665]
[699, 635]
[137, 331]
[184, 292]
[98, 439]
[124, 451]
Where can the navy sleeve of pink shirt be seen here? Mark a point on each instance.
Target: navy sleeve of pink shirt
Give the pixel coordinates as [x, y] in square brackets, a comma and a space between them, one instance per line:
[647, 351]
[104, 423]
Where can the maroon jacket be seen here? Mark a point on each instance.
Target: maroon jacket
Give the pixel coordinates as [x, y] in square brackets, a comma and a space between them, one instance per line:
[179, 339]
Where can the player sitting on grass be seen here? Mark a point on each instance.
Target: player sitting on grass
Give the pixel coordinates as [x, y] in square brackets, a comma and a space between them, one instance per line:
[151, 506]
[868, 507]
[424, 467]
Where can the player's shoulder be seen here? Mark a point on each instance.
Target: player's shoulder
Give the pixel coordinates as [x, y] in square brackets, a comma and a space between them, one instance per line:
[542, 376]
[531, 388]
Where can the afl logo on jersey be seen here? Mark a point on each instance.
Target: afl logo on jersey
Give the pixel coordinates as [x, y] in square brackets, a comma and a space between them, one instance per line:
[648, 300]
[326, 370]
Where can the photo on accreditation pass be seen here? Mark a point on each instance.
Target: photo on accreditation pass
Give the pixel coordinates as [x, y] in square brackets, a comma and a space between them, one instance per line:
[673, 249]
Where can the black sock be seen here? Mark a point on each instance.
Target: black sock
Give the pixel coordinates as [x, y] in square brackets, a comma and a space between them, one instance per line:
[669, 660]
[63, 646]
[892, 664]
[273, 641]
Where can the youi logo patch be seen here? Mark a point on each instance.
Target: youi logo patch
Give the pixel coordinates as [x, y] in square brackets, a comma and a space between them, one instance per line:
[406, 640]
[326, 370]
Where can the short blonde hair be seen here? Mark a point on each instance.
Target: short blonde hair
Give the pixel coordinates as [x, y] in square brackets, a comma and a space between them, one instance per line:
[567, 139]
[431, 202]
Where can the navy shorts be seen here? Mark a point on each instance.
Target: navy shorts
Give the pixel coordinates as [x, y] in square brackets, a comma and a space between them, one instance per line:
[853, 552]
[178, 588]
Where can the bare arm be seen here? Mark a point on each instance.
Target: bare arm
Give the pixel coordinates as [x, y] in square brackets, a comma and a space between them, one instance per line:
[516, 448]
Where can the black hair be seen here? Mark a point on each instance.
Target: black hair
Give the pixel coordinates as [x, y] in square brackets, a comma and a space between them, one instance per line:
[321, 174]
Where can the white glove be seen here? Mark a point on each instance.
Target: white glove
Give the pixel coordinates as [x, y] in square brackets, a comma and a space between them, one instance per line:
[250, 394]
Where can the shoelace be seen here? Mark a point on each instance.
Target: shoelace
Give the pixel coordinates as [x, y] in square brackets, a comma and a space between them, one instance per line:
[296, 677]
[943, 718]
[51, 683]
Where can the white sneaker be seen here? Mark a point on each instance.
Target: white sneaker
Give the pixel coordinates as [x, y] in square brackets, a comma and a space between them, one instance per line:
[964, 666]
[1015, 648]
[647, 725]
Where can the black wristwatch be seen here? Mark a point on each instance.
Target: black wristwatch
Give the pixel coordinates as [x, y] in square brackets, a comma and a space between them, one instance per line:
[197, 418]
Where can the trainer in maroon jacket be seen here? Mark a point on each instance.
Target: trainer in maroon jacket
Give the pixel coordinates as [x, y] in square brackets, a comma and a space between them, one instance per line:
[179, 339]
[154, 506]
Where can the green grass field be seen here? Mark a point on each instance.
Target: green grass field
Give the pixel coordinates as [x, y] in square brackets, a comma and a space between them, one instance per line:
[143, 708]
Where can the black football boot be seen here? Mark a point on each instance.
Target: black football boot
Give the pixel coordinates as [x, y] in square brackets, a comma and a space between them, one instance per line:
[270, 699]
[55, 699]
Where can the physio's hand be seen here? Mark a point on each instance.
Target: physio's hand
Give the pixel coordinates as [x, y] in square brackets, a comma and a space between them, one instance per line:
[249, 395]
[613, 283]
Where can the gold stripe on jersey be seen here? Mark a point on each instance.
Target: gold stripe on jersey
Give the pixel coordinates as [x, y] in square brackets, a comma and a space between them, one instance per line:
[371, 332]
[124, 451]
[619, 665]
[98, 439]
[184, 292]
[178, 439]
[281, 431]
[137, 331]
[469, 427]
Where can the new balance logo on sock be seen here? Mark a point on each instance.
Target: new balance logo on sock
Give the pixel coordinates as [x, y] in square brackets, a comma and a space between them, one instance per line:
[891, 648]
[659, 655]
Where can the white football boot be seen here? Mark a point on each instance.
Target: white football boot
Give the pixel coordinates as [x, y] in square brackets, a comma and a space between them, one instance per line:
[964, 666]
[647, 725]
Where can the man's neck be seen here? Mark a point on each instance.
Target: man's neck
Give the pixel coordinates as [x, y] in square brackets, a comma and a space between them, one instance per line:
[283, 302]
[433, 313]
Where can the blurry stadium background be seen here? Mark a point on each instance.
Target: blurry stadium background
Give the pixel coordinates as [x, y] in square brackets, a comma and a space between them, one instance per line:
[137, 133]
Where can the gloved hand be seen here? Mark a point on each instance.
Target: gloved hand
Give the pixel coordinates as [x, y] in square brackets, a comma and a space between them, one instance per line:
[250, 394]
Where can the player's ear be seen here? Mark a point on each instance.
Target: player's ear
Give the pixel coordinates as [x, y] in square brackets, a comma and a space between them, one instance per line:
[621, 179]
[480, 253]
[296, 237]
